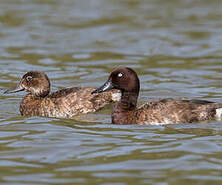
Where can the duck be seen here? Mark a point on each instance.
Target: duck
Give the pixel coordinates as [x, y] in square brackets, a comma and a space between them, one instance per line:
[64, 103]
[156, 112]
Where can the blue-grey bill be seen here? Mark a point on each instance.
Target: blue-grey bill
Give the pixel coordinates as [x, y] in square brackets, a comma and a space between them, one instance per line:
[15, 89]
[105, 87]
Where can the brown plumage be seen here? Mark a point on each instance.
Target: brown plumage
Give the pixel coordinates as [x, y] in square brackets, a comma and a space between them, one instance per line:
[65, 103]
[164, 111]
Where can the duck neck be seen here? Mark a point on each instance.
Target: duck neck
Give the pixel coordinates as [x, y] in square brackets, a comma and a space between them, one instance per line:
[128, 101]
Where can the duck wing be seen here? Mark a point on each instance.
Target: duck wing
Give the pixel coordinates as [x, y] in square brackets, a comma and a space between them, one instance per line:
[178, 110]
[78, 100]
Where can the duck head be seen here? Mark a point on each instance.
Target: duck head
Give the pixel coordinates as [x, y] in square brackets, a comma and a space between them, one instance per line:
[35, 82]
[125, 79]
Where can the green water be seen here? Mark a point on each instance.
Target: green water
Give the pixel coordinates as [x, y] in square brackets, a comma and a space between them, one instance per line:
[175, 47]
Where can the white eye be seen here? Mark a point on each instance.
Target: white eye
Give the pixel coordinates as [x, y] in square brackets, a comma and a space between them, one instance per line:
[120, 74]
[28, 78]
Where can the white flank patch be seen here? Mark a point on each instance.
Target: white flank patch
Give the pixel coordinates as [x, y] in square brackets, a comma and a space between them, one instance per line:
[219, 113]
[116, 96]
[165, 122]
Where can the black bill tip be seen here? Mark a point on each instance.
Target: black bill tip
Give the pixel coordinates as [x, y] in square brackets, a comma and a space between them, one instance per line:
[95, 91]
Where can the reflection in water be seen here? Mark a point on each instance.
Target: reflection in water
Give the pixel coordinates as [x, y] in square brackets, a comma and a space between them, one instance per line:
[175, 47]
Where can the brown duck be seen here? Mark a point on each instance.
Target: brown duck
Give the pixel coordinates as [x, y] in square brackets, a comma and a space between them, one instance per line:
[65, 103]
[163, 111]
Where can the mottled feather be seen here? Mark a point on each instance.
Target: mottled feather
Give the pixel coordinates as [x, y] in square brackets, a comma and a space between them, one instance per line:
[164, 111]
[65, 103]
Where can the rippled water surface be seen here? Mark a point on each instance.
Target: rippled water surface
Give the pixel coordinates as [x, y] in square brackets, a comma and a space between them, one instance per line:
[175, 47]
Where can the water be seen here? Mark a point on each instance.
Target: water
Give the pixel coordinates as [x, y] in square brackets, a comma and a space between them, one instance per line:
[175, 47]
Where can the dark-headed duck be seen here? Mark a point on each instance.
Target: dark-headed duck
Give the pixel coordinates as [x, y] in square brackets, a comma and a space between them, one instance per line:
[164, 111]
[65, 103]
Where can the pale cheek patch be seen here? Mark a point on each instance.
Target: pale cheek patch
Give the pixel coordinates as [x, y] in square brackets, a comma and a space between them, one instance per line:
[116, 96]
[219, 113]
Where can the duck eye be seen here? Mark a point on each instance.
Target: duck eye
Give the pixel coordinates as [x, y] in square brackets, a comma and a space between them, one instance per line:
[120, 74]
[28, 78]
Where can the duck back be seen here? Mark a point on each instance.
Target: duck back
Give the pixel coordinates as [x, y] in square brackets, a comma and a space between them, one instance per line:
[66, 103]
[181, 110]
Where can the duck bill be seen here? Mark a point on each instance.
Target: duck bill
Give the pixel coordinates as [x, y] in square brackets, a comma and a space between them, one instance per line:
[105, 87]
[15, 89]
